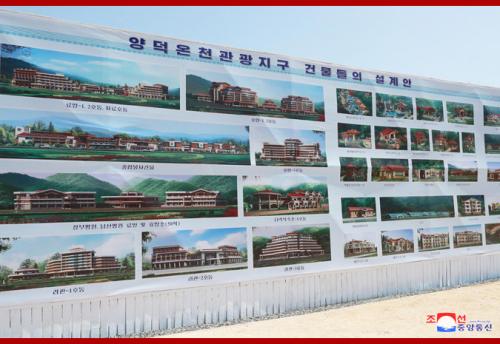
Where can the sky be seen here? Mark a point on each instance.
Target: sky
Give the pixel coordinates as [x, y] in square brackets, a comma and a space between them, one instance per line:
[283, 183]
[199, 238]
[400, 233]
[473, 228]
[451, 43]
[118, 245]
[98, 69]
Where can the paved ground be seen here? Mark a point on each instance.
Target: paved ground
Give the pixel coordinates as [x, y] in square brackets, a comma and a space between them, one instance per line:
[400, 317]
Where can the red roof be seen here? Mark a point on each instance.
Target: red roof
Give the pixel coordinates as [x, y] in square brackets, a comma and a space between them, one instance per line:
[393, 168]
[387, 131]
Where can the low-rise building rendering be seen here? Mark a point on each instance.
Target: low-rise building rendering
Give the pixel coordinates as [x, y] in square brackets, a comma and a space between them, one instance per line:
[291, 245]
[291, 150]
[77, 261]
[434, 241]
[468, 238]
[131, 199]
[53, 199]
[392, 172]
[25, 135]
[175, 256]
[397, 245]
[359, 248]
[494, 174]
[270, 200]
[199, 198]
[32, 78]
[357, 212]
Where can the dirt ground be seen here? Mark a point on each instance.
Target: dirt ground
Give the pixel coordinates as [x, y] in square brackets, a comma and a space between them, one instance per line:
[399, 317]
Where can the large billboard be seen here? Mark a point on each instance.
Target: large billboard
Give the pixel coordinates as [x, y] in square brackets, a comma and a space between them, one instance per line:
[137, 163]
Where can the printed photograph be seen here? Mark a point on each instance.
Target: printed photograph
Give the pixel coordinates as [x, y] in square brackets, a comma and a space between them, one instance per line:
[467, 236]
[468, 143]
[492, 143]
[470, 205]
[189, 251]
[360, 245]
[397, 242]
[287, 245]
[359, 209]
[394, 138]
[492, 233]
[275, 195]
[353, 169]
[462, 171]
[56, 261]
[445, 141]
[460, 113]
[493, 205]
[428, 170]
[288, 147]
[241, 95]
[352, 102]
[429, 110]
[394, 106]
[420, 140]
[354, 136]
[32, 72]
[433, 239]
[416, 207]
[390, 170]
[40, 197]
[493, 171]
[26, 134]
[492, 116]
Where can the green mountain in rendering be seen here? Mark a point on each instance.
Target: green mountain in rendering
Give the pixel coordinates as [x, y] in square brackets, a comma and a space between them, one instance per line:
[196, 84]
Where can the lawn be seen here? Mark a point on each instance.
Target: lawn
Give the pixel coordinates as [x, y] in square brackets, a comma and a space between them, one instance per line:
[12, 217]
[57, 282]
[126, 156]
[291, 261]
[6, 88]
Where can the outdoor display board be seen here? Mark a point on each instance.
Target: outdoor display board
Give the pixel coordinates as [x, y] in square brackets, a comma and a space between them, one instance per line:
[135, 163]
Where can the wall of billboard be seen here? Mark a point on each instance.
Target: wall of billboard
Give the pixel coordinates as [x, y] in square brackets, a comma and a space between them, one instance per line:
[135, 163]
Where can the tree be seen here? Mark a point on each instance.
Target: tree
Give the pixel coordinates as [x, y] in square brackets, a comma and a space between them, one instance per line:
[77, 130]
[146, 237]
[28, 263]
[51, 127]
[128, 262]
[6, 243]
[39, 126]
[5, 271]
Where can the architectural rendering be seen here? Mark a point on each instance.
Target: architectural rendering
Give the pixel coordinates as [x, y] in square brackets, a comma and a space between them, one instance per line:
[354, 136]
[468, 235]
[392, 106]
[352, 102]
[432, 239]
[429, 110]
[397, 242]
[416, 207]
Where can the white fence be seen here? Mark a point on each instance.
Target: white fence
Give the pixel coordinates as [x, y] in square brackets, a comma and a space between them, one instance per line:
[184, 308]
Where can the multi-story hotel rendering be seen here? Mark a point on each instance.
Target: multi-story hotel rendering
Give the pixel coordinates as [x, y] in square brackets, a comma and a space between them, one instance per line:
[359, 248]
[32, 78]
[291, 245]
[77, 261]
[24, 135]
[175, 256]
[434, 241]
[270, 200]
[468, 238]
[229, 95]
[292, 150]
[53, 199]
[191, 199]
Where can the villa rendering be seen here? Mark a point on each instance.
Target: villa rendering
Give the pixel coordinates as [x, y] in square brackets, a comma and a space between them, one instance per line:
[460, 113]
[471, 205]
[493, 171]
[420, 139]
[491, 116]
[394, 138]
[462, 171]
[352, 102]
[431, 239]
[390, 170]
[354, 136]
[428, 170]
[353, 169]
[445, 141]
[397, 242]
[429, 110]
[467, 236]
[359, 209]
[392, 106]
[356, 248]
[492, 231]
[492, 143]
[468, 143]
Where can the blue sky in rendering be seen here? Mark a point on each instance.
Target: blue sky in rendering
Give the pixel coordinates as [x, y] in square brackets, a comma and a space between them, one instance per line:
[493, 165]
[452, 43]
[110, 125]
[199, 238]
[117, 245]
[98, 69]
[278, 136]
[400, 233]
[265, 88]
[433, 230]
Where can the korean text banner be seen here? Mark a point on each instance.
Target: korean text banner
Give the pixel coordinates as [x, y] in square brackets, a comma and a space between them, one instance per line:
[136, 163]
